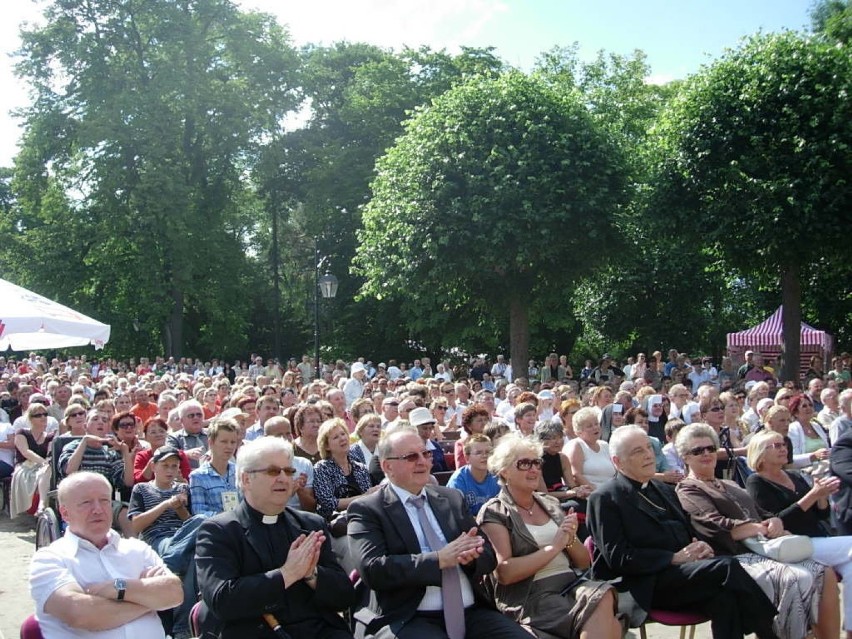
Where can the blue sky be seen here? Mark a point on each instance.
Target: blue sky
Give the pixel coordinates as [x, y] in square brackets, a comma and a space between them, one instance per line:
[677, 36]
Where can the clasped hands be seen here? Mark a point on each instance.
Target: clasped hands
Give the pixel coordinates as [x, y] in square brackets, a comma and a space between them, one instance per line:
[303, 557]
[566, 535]
[462, 550]
[695, 551]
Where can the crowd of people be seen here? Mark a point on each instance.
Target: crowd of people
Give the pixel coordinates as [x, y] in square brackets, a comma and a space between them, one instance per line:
[460, 501]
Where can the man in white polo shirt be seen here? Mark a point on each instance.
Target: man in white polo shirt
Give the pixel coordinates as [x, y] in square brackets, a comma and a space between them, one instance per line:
[94, 583]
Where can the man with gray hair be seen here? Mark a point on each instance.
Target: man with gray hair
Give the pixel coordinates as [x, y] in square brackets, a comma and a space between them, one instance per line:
[264, 566]
[844, 420]
[418, 549]
[191, 438]
[643, 536]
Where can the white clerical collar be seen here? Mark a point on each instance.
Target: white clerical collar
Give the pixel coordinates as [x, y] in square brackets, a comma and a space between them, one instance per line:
[269, 519]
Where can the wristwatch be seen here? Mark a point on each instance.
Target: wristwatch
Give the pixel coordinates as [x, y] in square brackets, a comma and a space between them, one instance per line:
[121, 586]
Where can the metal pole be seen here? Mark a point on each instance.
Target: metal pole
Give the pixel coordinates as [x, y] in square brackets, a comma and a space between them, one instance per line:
[316, 310]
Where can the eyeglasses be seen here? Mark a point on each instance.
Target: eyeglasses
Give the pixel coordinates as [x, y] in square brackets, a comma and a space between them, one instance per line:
[700, 450]
[526, 464]
[440, 408]
[716, 409]
[39, 415]
[77, 414]
[413, 457]
[127, 425]
[274, 471]
[194, 415]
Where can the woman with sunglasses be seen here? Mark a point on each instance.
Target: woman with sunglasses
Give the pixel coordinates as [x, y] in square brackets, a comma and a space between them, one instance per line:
[803, 509]
[723, 514]
[539, 555]
[74, 421]
[32, 444]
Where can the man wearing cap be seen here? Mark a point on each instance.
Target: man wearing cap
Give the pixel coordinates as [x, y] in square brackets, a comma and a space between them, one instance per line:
[421, 418]
[161, 516]
[418, 549]
[354, 387]
[264, 565]
[390, 410]
[93, 582]
[747, 366]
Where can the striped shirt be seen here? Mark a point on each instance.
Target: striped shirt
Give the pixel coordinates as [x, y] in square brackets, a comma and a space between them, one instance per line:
[146, 496]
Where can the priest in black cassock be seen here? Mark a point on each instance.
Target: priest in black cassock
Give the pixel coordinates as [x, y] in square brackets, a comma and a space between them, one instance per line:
[262, 565]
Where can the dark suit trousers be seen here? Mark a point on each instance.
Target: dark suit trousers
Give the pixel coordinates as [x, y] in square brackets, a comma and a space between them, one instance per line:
[720, 589]
[480, 623]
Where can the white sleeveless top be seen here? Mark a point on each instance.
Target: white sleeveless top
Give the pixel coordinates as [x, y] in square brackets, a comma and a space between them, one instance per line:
[543, 536]
[597, 467]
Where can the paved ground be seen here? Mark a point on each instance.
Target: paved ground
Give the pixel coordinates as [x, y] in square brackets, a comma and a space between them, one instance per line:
[17, 540]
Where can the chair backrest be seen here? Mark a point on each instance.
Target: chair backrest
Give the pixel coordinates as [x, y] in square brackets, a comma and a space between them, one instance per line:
[443, 477]
[56, 447]
[31, 629]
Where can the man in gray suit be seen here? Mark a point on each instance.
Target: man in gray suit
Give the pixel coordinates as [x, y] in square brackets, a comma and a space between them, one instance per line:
[419, 551]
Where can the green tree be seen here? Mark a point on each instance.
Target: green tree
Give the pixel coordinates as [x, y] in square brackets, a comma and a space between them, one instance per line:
[131, 183]
[754, 157]
[461, 224]
[316, 178]
[833, 18]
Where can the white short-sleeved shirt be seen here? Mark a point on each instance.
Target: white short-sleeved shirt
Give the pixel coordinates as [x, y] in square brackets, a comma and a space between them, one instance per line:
[73, 560]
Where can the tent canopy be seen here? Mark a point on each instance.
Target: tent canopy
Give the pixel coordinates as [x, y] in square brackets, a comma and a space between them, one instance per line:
[767, 337]
[769, 333]
[29, 321]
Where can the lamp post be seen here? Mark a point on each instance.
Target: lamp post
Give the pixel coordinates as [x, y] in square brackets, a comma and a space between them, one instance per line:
[327, 287]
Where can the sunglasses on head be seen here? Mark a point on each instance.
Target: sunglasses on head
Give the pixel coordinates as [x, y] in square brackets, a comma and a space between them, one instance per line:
[526, 464]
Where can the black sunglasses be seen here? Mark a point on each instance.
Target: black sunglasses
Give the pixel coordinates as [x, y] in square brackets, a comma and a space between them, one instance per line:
[526, 464]
[700, 450]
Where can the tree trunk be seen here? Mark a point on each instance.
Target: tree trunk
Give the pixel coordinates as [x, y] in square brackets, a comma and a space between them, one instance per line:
[519, 335]
[791, 322]
[176, 324]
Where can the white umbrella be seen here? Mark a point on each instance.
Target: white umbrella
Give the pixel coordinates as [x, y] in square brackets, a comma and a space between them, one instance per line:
[29, 321]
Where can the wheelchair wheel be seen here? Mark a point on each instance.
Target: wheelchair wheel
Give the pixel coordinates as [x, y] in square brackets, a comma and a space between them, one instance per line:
[47, 528]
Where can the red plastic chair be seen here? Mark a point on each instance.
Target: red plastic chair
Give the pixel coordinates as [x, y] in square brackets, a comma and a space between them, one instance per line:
[31, 629]
[678, 618]
[194, 621]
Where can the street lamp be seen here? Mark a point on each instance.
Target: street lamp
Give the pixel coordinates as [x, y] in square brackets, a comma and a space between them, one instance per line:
[327, 287]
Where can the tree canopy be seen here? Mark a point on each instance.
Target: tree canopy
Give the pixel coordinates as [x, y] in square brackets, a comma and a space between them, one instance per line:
[755, 154]
[501, 192]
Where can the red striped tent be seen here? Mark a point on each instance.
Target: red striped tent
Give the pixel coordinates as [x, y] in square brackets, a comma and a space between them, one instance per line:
[766, 338]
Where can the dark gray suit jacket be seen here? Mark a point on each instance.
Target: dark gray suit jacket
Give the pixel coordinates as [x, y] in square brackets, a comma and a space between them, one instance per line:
[389, 559]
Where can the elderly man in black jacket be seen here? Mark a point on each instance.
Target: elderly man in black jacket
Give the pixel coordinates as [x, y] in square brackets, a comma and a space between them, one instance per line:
[841, 466]
[643, 535]
[263, 565]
